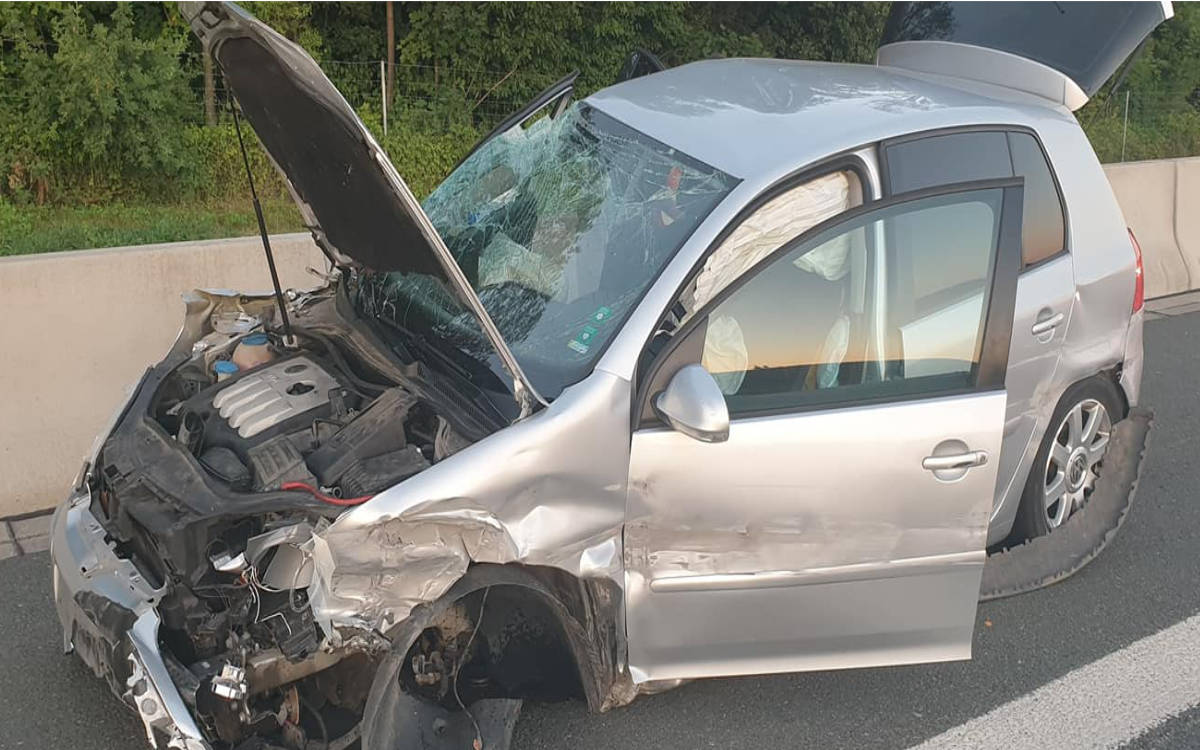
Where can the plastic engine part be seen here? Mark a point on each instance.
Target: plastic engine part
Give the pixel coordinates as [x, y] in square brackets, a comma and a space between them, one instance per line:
[377, 432]
[277, 461]
[380, 472]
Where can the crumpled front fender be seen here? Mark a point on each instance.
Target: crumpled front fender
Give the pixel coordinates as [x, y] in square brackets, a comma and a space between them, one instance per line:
[548, 490]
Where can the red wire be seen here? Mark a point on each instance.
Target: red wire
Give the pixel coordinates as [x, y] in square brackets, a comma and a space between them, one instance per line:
[322, 496]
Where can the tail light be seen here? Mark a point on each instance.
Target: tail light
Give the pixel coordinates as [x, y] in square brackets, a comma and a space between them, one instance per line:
[1139, 279]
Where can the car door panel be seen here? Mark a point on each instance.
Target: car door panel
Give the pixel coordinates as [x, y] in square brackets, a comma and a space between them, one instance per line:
[1045, 289]
[640, 63]
[834, 534]
[1044, 292]
[837, 533]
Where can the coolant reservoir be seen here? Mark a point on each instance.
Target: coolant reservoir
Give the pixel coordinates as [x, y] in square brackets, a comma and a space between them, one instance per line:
[252, 351]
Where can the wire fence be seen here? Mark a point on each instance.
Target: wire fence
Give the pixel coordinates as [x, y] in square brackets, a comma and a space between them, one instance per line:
[439, 96]
[1134, 124]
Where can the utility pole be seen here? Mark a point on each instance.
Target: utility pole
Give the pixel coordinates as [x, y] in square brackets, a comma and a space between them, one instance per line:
[210, 89]
[383, 95]
[391, 54]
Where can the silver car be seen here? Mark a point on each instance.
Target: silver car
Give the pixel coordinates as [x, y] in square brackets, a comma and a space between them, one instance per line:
[733, 368]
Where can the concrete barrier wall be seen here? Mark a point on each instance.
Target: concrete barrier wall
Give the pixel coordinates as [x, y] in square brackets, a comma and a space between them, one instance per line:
[1161, 202]
[78, 328]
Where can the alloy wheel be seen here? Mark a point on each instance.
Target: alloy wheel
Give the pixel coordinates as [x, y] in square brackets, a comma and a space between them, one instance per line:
[1071, 467]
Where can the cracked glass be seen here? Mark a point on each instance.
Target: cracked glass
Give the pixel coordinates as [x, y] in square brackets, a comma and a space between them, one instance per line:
[560, 227]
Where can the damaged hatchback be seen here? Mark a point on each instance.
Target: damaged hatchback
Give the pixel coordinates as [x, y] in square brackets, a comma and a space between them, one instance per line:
[791, 338]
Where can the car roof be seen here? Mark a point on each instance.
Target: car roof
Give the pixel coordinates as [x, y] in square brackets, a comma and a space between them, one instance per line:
[754, 118]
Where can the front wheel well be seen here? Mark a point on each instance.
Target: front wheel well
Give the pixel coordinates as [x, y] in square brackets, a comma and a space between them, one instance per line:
[499, 641]
[504, 631]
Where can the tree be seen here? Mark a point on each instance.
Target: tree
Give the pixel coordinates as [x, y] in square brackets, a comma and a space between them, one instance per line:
[91, 104]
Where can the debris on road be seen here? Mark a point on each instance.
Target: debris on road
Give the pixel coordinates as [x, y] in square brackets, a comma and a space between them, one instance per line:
[1046, 560]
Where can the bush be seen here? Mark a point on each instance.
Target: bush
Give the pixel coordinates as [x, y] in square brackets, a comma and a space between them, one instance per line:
[423, 157]
[1168, 136]
[92, 111]
[100, 104]
[215, 170]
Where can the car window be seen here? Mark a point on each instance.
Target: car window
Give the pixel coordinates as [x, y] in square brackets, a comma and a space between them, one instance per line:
[946, 159]
[1042, 225]
[951, 158]
[790, 336]
[778, 220]
[770, 226]
[559, 228]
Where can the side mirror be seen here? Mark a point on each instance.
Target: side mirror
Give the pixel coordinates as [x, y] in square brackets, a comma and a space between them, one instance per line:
[694, 405]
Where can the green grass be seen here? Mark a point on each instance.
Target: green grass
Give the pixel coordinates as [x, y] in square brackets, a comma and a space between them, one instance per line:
[44, 229]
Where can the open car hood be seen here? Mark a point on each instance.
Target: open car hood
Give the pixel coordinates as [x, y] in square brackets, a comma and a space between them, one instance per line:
[359, 209]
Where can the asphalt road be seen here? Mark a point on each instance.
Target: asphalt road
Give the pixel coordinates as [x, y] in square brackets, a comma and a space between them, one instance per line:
[1145, 582]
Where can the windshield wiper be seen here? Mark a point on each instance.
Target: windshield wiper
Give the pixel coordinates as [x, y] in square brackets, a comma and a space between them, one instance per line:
[423, 346]
[413, 343]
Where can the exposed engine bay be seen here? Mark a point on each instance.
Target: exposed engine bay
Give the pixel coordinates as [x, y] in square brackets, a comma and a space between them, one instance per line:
[291, 422]
[231, 454]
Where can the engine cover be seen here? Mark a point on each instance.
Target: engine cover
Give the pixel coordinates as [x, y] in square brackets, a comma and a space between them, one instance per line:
[263, 399]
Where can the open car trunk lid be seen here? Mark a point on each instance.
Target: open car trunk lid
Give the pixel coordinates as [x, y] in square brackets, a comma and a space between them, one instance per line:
[1061, 51]
[359, 209]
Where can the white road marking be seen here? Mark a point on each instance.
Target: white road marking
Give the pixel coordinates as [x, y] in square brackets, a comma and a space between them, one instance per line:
[1104, 704]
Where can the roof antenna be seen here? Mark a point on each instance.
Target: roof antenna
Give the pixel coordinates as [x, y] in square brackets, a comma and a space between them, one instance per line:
[289, 340]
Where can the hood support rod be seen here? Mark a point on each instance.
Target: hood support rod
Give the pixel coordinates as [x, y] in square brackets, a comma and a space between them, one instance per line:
[289, 340]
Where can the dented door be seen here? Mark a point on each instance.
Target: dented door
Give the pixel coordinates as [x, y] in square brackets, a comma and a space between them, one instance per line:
[843, 521]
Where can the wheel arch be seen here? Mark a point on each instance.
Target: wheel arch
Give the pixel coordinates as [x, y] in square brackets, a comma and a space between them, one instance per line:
[581, 617]
[1107, 379]
[1006, 516]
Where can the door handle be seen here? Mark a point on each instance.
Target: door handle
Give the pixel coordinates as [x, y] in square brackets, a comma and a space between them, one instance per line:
[1047, 325]
[957, 461]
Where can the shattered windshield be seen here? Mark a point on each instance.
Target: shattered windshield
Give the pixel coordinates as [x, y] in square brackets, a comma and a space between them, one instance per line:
[559, 227]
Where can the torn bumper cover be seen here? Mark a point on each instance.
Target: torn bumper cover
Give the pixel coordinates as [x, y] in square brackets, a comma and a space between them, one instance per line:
[106, 607]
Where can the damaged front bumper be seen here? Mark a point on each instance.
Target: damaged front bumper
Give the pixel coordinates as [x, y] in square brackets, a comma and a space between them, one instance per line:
[106, 607]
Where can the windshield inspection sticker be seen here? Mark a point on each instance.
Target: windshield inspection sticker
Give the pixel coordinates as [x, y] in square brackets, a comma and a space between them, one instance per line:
[602, 315]
[581, 342]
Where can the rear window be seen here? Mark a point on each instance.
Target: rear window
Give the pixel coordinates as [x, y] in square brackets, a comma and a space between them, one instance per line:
[936, 160]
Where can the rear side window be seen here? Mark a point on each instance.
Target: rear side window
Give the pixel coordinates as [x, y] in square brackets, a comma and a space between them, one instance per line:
[947, 159]
[983, 155]
[1042, 216]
